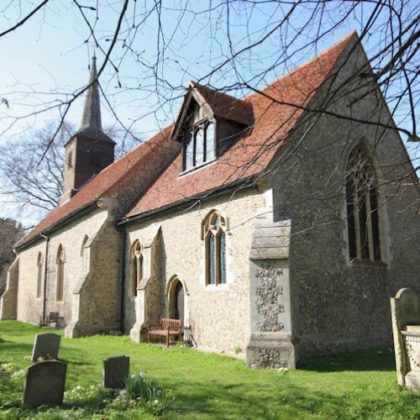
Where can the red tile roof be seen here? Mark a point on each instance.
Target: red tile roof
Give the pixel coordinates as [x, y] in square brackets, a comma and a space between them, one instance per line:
[107, 183]
[250, 155]
[253, 153]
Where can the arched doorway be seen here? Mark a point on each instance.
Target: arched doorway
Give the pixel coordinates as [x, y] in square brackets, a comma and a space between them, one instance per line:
[177, 300]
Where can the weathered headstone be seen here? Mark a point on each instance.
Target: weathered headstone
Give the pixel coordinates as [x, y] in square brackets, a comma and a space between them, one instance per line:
[44, 383]
[405, 314]
[46, 346]
[116, 371]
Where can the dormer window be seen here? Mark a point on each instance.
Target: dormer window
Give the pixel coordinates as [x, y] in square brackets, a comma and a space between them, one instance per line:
[199, 145]
[208, 124]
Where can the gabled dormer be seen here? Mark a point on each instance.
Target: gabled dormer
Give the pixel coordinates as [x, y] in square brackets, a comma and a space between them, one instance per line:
[208, 124]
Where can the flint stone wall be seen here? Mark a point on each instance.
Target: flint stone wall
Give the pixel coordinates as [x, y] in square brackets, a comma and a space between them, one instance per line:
[219, 316]
[337, 304]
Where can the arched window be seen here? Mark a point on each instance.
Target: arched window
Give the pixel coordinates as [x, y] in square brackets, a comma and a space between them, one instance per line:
[136, 265]
[214, 235]
[362, 207]
[60, 273]
[84, 253]
[39, 275]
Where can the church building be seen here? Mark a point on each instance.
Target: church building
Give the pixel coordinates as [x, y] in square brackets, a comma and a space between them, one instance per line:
[276, 226]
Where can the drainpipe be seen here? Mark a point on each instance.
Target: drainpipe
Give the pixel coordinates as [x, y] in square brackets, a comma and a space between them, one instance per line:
[123, 235]
[44, 300]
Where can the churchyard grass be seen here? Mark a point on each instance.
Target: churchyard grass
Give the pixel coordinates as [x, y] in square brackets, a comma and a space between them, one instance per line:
[191, 384]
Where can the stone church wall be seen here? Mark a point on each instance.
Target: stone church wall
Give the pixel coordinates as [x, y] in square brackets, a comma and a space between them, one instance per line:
[71, 237]
[219, 316]
[338, 304]
[29, 306]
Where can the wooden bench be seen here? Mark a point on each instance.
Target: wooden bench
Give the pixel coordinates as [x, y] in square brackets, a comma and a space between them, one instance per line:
[167, 328]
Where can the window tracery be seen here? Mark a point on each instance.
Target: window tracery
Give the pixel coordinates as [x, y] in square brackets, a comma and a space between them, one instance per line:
[214, 234]
[362, 208]
[199, 145]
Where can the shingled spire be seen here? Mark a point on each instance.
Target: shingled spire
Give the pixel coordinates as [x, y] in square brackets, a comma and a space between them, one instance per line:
[90, 150]
[91, 125]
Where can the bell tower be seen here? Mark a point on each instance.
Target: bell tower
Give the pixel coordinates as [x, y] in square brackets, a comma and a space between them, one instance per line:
[90, 150]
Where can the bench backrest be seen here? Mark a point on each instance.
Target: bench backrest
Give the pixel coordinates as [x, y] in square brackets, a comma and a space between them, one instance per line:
[172, 324]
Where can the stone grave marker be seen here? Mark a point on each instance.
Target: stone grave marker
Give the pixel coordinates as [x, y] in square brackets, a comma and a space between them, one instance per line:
[116, 371]
[44, 383]
[46, 346]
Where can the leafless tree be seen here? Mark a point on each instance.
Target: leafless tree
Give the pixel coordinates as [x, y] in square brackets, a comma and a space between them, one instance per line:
[31, 168]
[153, 48]
[10, 232]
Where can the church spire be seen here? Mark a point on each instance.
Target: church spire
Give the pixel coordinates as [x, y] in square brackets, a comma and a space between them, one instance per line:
[91, 124]
[89, 150]
[91, 118]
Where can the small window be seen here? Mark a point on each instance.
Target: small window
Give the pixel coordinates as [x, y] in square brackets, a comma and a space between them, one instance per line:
[136, 267]
[362, 208]
[199, 145]
[39, 276]
[214, 234]
[60, 274]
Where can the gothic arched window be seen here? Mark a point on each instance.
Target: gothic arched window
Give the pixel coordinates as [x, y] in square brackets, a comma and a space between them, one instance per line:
[214, 235]
[39, 275]
[136, 264]
[60, 274]
[362, 207]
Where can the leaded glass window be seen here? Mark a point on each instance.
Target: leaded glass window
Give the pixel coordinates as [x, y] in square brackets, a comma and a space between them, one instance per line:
[362, 208]
[214, 235]
[199, 145]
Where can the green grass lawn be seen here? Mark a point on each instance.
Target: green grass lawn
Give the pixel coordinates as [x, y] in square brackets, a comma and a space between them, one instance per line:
[199, 385]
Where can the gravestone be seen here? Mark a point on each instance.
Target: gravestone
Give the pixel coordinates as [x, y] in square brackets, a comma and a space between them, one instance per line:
[46, 346]
[116, 371]
[44, 383]
[405, 314]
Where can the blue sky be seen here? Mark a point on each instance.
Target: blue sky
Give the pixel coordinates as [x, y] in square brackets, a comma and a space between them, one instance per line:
[47, 59]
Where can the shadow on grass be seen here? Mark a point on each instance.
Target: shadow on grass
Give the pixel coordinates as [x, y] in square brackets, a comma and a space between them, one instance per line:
[240, 401]
[367, 360]
[20, 348]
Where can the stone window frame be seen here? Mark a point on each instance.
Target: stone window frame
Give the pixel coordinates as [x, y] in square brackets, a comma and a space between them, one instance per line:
[60, 263]
[214, 234]
[365, 241]
[136, 267]
[191, 142]
[39, 274]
